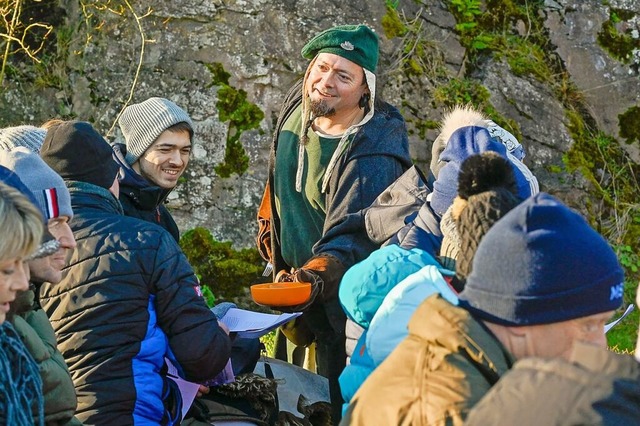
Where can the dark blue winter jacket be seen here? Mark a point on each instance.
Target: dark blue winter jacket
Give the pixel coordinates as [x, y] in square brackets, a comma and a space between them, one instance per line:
[127, 300]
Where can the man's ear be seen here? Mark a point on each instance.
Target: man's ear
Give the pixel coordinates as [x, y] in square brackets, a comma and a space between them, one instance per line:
[516, 331]
[364, 100]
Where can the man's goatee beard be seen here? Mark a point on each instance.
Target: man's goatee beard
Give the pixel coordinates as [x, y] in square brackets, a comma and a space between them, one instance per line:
[321, 109]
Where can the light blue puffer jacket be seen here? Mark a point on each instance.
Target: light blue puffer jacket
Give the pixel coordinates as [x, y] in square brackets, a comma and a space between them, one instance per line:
[380, 294]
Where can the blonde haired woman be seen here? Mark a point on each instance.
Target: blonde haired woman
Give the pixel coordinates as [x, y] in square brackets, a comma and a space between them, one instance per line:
[21, 231]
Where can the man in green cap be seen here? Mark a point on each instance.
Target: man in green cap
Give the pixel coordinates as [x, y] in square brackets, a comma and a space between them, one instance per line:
[334, 150]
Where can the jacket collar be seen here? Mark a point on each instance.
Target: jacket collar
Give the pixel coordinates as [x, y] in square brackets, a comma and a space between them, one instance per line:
[136, 187]
[87, 195]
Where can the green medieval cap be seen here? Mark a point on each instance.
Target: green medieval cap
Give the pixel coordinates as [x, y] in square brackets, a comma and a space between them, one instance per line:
[357, 43]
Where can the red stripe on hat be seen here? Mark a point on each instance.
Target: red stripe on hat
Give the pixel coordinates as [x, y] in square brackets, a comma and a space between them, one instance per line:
[51, 197]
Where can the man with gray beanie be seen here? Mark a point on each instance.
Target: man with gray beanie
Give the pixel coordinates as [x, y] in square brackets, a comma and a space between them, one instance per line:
[158, 135]
[128, 298]
[48, 189]
[541, 281]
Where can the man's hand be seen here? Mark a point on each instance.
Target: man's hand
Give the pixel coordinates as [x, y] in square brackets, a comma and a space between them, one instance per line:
[324, 272]
[301, 276]
[202, 390]
[284, 277]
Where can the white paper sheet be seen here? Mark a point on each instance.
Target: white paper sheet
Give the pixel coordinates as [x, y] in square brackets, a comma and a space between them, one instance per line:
[252, 324]
[188, 390]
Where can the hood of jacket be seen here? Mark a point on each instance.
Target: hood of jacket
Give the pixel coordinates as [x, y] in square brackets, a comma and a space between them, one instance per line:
[454, 329]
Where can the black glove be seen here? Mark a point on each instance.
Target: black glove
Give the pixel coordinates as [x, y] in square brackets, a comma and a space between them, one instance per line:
[300, 276]
[324, 272]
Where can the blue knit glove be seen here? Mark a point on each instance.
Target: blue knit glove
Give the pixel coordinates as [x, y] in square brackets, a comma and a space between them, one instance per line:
[221, 309]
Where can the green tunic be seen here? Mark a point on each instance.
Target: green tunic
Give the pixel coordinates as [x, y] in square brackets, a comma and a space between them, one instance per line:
[303, 221]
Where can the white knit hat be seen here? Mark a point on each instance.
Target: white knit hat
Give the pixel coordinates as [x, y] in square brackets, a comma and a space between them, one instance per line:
[143, 123]
[28, 136]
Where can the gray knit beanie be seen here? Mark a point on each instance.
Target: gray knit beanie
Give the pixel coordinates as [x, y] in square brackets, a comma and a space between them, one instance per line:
[27, 136]
[48, 188]
[143, 123]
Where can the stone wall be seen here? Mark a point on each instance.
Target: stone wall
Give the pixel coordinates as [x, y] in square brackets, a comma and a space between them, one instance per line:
[258, 43]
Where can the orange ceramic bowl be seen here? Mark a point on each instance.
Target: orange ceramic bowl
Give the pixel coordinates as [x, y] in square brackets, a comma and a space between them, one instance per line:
[281, 294]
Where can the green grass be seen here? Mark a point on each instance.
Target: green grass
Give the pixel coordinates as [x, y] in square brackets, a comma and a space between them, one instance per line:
[269, 342]
[622, 337]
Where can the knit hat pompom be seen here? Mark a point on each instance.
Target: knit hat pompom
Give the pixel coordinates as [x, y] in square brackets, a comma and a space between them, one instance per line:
[141, 124]
[487, 190]
[542, 263]
[480, 173]
[357, 43]
[464, 143]
[464, 116]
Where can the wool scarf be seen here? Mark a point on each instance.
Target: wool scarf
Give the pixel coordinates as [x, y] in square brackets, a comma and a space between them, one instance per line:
[20, 382]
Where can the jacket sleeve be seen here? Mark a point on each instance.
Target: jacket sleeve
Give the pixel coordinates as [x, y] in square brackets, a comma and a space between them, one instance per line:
[200, 346]
[360, 182]
[365, 285]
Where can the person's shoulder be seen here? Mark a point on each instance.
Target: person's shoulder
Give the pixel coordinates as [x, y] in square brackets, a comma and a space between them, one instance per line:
[138, 232]
[388, 113]
[387, 125]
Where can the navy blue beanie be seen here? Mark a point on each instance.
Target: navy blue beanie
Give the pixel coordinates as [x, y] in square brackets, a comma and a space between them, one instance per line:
[463, 143]
[542, 263]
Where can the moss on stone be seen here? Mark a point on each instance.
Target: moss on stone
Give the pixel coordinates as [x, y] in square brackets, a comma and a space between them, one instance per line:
[391, 23]
[225, 271]
[525, 58]
[470, 92]
[219, 75]
[629, 124]
[491, 29]
[461, 91]
[601, 159]
[241, 114]
[619, 45]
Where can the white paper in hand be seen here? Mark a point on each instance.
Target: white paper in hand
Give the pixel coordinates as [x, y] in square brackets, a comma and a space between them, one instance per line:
[250, 324]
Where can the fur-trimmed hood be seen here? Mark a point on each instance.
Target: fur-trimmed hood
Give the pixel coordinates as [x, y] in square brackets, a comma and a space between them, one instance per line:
[465, 116]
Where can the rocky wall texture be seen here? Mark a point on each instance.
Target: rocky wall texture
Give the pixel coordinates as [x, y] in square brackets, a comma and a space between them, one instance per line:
[105, 54]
